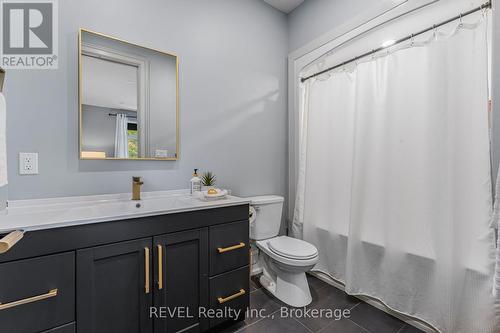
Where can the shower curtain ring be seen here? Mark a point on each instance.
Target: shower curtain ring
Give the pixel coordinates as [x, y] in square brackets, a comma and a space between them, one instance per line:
[412, 40]
[461, 21]
[484, 10]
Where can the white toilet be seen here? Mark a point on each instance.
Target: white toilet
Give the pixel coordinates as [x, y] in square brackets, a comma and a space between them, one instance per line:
[283, 260]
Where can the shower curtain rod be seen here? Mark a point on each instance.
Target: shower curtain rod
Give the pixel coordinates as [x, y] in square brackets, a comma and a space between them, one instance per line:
[115, 114]
[404, 39]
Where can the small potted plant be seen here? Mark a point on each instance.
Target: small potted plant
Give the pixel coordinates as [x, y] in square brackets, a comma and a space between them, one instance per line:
[208, 180]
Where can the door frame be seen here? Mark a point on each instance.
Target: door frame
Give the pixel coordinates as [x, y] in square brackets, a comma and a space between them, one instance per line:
[143, 89]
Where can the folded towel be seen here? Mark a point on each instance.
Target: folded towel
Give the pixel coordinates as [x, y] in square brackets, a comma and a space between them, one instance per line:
[3, 141]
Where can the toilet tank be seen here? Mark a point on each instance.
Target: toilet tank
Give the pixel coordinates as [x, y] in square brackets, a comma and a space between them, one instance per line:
[265, 219]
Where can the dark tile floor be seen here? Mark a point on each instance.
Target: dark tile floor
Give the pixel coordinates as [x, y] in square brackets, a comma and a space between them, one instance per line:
[277, 317]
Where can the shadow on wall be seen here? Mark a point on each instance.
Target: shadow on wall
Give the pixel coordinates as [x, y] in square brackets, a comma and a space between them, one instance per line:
[259, 92]
[239, 115]
[116, 166]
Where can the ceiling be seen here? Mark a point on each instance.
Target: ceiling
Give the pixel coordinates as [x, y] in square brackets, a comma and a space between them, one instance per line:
[286, 6]
[109, 84]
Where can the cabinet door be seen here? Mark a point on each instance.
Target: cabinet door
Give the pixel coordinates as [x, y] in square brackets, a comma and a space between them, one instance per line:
[181, 284]
[114, 290]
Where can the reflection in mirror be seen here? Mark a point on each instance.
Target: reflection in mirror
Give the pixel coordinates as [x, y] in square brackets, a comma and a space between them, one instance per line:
[128, 100]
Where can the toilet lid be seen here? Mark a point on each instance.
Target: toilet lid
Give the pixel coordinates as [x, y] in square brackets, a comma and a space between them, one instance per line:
[292, 248]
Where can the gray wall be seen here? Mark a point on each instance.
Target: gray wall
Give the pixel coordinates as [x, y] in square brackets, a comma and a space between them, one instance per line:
[314, 18]
[232, 98]
[162, 124]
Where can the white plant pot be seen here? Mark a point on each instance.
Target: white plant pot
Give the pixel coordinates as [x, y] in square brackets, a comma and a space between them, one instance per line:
[206, 188]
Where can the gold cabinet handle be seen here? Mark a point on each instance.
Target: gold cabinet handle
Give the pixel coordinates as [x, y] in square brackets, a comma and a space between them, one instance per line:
[160, 267]
[146, 269]
[50, 294]
[10, 240]
[230, 298]
[231, 248]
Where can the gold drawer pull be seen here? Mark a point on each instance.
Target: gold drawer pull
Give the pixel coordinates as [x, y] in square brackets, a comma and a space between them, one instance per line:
[146, 270]
[231, 248]
[50, 294]
[160, 267]
[10, 240]
[230, 298]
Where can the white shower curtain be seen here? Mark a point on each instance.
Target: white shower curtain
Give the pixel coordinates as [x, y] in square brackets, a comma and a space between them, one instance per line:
[121, 136]
[395, 184]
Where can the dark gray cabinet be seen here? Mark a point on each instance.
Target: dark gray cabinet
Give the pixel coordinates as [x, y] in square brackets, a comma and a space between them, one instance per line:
[114, 288]
[37, 294]
[229, 247]
[158, 274]
[229, 293]
[181, 275]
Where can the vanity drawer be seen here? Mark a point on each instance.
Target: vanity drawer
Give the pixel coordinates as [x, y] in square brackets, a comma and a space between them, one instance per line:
[37, 294]
[229, 247]
[230, 290]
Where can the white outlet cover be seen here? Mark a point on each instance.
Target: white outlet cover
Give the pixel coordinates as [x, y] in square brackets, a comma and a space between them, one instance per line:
[28, 163]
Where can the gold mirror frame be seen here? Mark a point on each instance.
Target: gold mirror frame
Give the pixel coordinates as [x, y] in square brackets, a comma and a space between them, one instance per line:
[80, 95]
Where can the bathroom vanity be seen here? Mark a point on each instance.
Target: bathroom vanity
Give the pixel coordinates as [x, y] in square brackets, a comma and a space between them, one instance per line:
[168, 263]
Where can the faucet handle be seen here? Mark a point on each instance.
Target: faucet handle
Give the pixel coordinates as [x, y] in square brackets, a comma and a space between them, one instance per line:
[137, 180]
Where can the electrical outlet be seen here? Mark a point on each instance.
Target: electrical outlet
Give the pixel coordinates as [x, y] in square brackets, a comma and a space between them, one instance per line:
[28, 163]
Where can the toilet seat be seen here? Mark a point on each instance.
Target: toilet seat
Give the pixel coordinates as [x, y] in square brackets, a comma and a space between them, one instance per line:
[292, 248]
[264, 246]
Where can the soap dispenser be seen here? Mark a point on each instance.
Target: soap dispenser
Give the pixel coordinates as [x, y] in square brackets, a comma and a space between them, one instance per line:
[195, 182]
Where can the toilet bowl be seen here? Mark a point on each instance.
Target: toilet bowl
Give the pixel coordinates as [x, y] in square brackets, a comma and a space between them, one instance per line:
[284, 260]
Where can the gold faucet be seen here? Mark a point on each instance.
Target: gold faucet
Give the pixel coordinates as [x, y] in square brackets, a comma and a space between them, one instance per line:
[136, 188]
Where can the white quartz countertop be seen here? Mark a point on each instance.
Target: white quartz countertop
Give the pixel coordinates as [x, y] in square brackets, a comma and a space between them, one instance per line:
[30, 215]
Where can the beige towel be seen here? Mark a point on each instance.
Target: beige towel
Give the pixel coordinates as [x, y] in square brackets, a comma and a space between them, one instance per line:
[3, 141]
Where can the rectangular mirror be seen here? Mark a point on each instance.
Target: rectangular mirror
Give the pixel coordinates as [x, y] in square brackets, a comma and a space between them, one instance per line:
[128, 96]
